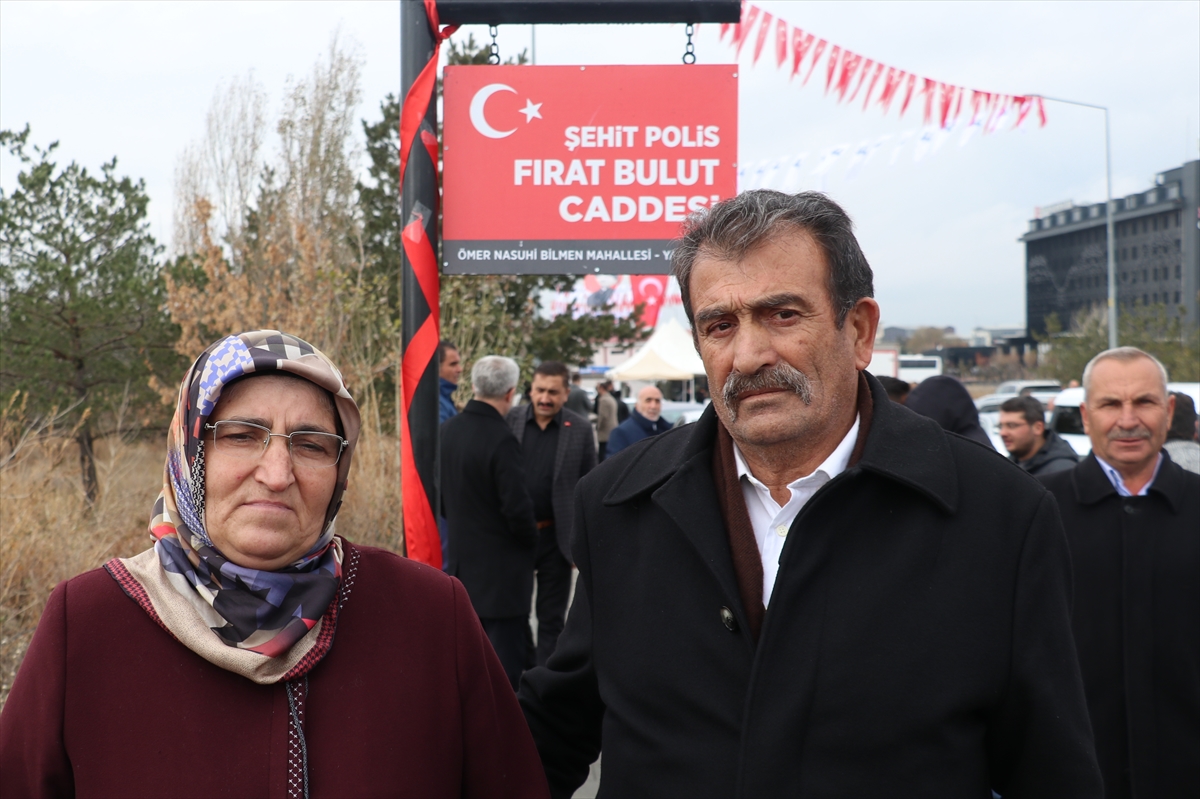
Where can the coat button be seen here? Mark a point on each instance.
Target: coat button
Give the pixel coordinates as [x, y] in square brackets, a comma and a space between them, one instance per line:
[1129, 508]
[728, 620]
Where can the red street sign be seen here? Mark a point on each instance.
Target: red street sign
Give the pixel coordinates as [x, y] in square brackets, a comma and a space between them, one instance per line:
[577, 170]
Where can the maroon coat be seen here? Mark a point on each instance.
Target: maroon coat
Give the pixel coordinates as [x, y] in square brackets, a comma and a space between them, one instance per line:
[410, 701]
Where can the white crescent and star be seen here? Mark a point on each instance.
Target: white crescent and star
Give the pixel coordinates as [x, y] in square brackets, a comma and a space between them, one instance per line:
[531, 111]
[650, 300]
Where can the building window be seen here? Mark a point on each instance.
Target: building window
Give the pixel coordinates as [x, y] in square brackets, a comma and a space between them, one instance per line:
[1178, 270]
[1177, 298]
[1156, 298]
[1145, 275]
[1145, 299]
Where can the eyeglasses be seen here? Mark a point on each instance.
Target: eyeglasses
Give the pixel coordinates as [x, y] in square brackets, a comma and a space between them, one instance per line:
[307, 449]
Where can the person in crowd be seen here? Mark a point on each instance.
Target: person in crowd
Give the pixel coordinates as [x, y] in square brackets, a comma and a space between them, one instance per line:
[249, 619]
[1181, 435]
[1030, 445]
[811, 590]
[557, 448]
[1132, 517]
[577, 400]
[606, 415]
[947, 402]
[645, 421]
[897, 389]
[485, 499]
[450, 370]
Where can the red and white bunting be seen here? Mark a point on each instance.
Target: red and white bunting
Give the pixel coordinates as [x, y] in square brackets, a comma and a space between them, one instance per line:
[847, 73]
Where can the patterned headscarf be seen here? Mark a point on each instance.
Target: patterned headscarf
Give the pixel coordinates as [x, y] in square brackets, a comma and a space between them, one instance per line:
[261, 611]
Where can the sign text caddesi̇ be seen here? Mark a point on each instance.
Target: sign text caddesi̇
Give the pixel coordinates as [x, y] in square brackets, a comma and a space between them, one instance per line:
[575, 170]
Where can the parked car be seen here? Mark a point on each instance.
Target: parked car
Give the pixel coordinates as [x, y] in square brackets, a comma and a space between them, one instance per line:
[989, 418]
[681, 412]
[1022, 387]
[1067, 421]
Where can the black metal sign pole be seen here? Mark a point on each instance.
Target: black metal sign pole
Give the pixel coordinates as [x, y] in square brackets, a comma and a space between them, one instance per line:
[419, 194]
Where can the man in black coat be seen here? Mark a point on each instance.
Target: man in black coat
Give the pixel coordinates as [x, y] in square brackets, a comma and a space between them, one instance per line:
[558, 448]
[1132, 518]
[812, 590]
[1030, 445]
[489, 513]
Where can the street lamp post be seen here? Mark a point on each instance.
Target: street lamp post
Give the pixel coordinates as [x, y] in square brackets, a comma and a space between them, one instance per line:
[1108, 209]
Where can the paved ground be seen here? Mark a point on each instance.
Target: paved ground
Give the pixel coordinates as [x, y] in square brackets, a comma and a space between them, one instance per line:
[588, 789]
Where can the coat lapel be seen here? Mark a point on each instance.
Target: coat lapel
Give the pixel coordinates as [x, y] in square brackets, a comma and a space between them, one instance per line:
[564, 435]
[676, 468]
[517, 421]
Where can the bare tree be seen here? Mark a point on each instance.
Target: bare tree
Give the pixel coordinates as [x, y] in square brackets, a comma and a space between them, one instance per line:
[223, 167]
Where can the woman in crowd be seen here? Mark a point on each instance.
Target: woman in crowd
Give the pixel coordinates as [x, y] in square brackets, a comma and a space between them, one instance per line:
[250, 651]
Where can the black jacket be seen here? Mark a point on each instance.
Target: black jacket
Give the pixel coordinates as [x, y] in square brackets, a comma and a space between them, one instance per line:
[1137, 624]
[1056, 455]
[575, 457]
[947, 402]
[488, 512]
[917, 642]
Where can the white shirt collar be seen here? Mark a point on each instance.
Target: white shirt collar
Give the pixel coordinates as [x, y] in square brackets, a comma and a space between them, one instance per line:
[1118, 482]
[832, 466]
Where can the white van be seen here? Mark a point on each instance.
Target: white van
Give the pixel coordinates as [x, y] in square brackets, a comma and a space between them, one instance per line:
[915, 368]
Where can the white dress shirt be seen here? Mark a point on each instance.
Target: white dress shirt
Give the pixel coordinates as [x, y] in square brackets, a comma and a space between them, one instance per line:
[771, 522]
[1118, 482]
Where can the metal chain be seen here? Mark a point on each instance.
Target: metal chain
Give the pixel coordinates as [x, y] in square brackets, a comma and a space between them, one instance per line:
[494, 55]
[689, 52]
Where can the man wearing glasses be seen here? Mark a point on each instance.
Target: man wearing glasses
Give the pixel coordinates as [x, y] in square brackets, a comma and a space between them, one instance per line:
[1030, 445]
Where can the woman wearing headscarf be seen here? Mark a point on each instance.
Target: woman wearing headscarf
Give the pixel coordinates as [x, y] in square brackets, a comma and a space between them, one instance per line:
[947, 402]
[251, 651]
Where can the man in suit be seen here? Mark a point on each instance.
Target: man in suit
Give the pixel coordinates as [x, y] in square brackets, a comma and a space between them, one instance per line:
[606, 415]
[1132, 517]
[577, 400]
[812, 590]
[489, 514]
[557, 448]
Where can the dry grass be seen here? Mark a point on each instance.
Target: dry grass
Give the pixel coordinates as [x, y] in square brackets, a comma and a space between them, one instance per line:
[47, 534]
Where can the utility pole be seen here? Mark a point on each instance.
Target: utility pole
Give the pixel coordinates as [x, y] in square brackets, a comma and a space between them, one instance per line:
[1108, 208]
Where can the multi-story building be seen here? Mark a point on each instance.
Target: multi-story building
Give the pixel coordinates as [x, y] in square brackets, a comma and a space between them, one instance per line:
[1157, 236]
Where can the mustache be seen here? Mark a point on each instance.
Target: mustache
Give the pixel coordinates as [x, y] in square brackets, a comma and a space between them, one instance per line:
[782, 376]
[1132, 432]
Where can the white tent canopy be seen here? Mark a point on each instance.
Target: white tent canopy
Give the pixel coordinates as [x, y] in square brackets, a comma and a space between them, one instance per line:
[668, 354]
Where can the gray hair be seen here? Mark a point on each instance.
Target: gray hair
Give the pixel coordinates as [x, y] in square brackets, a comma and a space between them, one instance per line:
[732, 228]
[493, 375]
[1125, 355]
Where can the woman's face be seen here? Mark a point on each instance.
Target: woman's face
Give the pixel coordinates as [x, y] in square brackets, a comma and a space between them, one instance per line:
[263, 512]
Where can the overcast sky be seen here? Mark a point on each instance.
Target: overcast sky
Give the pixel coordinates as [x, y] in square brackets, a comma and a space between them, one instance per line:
[135, 80]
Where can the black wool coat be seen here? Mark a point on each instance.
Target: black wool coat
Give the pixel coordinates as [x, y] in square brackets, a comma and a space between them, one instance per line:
[489, 515]
[917, 642]
[574, 457]
[1137, 624]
